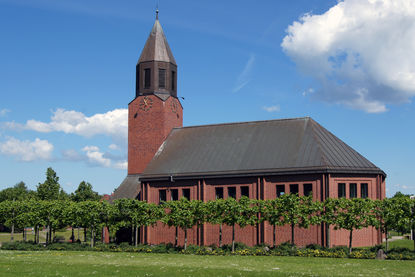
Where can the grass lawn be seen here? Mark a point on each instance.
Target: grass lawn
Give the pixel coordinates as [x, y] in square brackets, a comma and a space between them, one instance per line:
[5, 237]
[401, 243]
[19, 263]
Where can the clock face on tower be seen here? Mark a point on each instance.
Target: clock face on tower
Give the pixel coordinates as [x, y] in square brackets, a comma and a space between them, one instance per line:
[146, 103]
[173, 106]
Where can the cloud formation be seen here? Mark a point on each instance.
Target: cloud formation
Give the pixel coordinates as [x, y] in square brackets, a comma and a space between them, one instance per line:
[97, 158]
[113, 123]
[4, 112]
[245, 76]
[26, 150]
[361, 52]
[270, 109]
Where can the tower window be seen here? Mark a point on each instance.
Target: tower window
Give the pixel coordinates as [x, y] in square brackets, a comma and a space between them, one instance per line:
[308, 189]
[352, 190]
[280, 190]
[363, 190]
[162, 78]
[294, 188]
[173, 80]
[219, 193]
[341, 190]
[232, 192]
[147, 78]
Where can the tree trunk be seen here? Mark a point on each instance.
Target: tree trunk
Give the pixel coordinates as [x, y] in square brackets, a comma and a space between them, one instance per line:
[220, 235]
[185, 239]
[136, 235]
[12, 233]
[24, 234]
[53, 235]
[176, 236]
[292, 234]
[78, 234]
[350, 241]
[274, 235]
[92, 236]
[387, 244]
[132, 235]
[328, 235]
[73, 235]
[84, 234]
[233, 238]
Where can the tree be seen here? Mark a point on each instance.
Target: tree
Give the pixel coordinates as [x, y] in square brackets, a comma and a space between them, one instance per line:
[180, 214]
[273, 212]
[50, 189]
[391, 214]
[352, 214]
[144, 214]
[84, 192]
[91, 215]
[10, 211]
[299, 210]
[215, 211]
[241, 213]
[18, 192]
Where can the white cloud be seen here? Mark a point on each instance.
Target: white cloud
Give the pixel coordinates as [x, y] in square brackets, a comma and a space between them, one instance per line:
[4, 112]
[113, 146]
[95, 157]
[113, 123]
[27, 150]
[270, 109]
[361, 52]
[244, 78]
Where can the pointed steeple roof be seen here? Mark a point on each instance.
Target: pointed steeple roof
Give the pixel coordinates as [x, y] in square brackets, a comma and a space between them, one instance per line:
[156, 47]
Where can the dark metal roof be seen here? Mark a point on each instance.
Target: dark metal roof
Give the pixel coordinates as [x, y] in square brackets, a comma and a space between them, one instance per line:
[298, 145]
[129, 188]
[156, 47]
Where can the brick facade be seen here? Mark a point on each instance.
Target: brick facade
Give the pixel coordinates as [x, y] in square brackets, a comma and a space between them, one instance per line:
[264, 188]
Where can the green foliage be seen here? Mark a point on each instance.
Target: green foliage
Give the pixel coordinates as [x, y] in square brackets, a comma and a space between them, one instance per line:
[18, 192]
[84, 192]
[50, 189]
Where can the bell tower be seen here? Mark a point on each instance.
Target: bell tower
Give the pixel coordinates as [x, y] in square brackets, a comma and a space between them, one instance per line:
[156, 110]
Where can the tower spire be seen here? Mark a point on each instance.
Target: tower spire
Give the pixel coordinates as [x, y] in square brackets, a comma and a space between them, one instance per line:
[157, 13]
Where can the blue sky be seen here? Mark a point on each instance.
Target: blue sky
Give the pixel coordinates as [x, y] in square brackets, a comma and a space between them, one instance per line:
[67, 72]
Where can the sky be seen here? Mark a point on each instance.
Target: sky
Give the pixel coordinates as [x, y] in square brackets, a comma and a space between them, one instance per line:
[67, 72]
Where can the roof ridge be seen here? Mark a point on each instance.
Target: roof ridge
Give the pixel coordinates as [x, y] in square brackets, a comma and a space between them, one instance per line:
[244, 122]
[323, 157]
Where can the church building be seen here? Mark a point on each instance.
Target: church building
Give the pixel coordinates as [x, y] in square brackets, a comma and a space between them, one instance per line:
[260, 160]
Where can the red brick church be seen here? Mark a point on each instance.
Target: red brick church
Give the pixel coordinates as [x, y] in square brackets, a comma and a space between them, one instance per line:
[261, 160]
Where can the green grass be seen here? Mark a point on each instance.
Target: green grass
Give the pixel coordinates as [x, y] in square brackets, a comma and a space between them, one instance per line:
[54, 263]
[5, 237]
[401, 243]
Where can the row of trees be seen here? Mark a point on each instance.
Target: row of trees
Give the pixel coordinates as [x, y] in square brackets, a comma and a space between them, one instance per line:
[50, 189]
[289, 209]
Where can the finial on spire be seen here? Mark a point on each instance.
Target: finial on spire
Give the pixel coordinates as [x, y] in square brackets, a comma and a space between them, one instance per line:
[157, 10]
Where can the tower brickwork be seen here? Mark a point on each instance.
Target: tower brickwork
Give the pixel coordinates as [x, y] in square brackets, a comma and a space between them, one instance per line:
[156, 110]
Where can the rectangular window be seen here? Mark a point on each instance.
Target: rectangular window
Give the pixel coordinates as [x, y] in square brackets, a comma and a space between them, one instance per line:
[173, 80]
[162, 195]
[186, 193]
[294, 188]
[245, 191]
[162, 78]
[352, 190]
[219, 193]
[147, 78]
[280, 190]
[341, 190]
[174, 194]
[232, 192]
[364, 190]
[308, 189]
